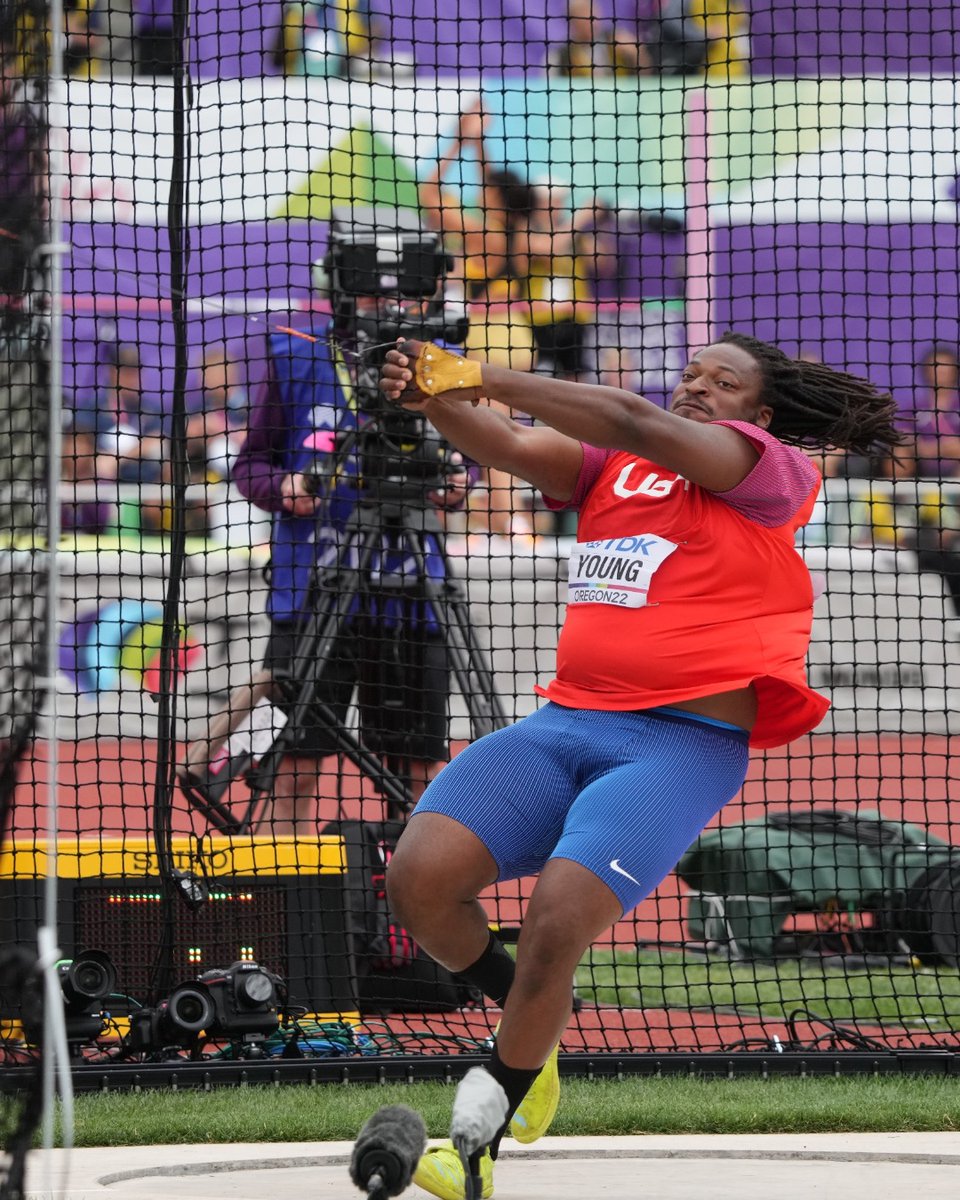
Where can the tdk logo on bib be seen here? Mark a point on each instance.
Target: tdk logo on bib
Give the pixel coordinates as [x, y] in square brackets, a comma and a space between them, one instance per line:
[641, 542]
[617, 571]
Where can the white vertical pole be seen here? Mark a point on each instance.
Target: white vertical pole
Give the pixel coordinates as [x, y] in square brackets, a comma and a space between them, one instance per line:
[55, 1051]
[699, 236]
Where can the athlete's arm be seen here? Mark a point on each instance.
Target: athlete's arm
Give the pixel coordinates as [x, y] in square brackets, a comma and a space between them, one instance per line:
[714, 456]
[546, 459]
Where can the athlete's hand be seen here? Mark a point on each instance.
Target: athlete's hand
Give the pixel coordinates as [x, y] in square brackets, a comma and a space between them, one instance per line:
[415, 372]
[397, 379]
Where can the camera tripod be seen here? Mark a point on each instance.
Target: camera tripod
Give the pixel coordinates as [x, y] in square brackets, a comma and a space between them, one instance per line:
[337, 596]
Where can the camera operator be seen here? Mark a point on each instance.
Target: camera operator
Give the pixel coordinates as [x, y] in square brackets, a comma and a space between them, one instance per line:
[391, 649]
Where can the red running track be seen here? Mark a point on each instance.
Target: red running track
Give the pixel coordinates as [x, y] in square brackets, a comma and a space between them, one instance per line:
[105, 788]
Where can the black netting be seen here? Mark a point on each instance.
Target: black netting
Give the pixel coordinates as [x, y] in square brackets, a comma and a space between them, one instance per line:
[24, 565]
[280, 614]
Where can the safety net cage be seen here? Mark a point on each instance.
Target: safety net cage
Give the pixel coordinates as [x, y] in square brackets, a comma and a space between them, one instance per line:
[282, 603]
[25, 327]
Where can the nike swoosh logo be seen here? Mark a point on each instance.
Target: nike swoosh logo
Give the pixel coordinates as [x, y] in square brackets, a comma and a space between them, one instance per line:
[615, 866]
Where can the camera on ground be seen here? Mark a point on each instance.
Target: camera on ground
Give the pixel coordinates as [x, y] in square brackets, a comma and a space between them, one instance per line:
[236, 1003]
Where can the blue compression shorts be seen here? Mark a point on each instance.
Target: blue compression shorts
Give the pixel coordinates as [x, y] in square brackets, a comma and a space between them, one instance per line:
[622, 793]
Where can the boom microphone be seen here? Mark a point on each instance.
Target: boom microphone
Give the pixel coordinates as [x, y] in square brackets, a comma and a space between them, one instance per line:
[387, 1151]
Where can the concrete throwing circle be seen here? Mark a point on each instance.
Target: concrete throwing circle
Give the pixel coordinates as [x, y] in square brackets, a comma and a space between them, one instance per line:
[690, 1169]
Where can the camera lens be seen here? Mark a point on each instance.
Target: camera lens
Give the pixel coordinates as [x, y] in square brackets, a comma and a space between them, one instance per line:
[90, 976]
[189, 1009]
[255, 987]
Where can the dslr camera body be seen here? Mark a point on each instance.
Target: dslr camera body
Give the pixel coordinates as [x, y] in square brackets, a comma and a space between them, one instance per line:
[241, 1002]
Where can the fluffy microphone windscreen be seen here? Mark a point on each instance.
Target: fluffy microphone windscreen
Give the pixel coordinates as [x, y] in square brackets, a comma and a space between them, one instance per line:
[390, 1144]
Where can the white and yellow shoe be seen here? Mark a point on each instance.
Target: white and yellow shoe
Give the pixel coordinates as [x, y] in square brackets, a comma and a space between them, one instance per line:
[440, 1172]
[539, 1106]
[479, 1111]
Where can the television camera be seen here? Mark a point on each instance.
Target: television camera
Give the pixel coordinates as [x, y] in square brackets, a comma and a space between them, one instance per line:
[384, 275]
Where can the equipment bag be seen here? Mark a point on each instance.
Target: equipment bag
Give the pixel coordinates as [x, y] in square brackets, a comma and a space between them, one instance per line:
[745, 881]
[390, 972]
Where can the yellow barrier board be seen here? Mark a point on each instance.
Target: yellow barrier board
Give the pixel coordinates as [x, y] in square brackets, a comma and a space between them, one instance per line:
[132, 858]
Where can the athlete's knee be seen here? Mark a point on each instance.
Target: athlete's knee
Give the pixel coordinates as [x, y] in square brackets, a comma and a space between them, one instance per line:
[548, 943]
[569, 909]
[409, 883]
[433, 868]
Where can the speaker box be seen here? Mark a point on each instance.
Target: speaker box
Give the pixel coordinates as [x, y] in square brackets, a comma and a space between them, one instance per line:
[275, 902]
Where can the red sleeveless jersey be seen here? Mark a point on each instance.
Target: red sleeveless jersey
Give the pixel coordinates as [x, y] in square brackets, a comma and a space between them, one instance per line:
[675, 592]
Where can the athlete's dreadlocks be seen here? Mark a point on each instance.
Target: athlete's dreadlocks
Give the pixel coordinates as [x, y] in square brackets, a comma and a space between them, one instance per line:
[814, 405]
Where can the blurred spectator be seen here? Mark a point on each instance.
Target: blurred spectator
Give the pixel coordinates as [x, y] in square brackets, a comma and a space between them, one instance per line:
[595, 47]
[488, 241]
[677, 41]
[126, 430]
[924, 518]
[22, 175]
[324, 37]
[597, 230]
[599, 241]
[212, 448]
[490, 247]
[879, 514]
[85, 46]
[937, 426]
[882, 515]
[132, 436]
[629, 349]
[222, 386]
[938, 415]
[153, 44]
[557, 287]
[82, 512]
[938, 541]
[727, 29]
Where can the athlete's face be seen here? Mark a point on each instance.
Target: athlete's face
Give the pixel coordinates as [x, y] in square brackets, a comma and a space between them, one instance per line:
[721, 383]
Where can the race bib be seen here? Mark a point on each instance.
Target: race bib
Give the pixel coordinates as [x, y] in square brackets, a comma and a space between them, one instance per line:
[617, 571]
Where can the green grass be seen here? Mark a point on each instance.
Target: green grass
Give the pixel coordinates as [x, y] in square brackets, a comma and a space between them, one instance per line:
[671, 1105]
[920, 996]
[332, 1112]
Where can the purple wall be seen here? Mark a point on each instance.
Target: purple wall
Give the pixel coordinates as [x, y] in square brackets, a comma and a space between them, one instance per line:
[234, 38]
[238, 259]
[829, 37]
[867, 298]
[509, 35]
[855, 37]
[117, 284]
